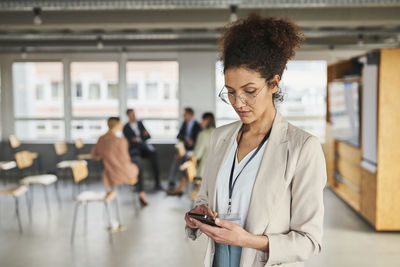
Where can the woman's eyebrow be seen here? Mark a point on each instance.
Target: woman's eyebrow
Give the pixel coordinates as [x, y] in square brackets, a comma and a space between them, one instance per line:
[247, 84]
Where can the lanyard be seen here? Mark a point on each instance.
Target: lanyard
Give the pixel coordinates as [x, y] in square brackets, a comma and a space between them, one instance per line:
[232, 186]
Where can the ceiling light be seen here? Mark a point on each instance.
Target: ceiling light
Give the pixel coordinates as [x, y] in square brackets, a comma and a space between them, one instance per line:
[24, 55]
[233, 16]
[100, 44]
[37, 19]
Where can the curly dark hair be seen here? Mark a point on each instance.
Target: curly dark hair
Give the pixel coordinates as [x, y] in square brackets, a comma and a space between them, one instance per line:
[261, 44]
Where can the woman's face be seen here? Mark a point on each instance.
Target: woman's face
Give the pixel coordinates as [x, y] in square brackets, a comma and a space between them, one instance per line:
[204, 123]
[244, 81]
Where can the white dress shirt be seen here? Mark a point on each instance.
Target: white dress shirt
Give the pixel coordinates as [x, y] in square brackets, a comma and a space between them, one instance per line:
[135, 128]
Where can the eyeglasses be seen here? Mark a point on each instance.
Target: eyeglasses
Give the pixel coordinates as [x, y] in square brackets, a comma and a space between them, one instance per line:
[246, 97]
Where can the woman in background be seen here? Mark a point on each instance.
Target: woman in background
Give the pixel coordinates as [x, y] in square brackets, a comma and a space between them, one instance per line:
[112, 149]
[200, 150]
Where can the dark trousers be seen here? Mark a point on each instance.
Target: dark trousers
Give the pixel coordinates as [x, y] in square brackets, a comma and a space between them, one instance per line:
[138, 161]
[175, 174]
[148, 151]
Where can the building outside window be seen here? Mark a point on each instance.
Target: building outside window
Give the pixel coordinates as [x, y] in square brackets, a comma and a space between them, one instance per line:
[152, 90]
[38, 109]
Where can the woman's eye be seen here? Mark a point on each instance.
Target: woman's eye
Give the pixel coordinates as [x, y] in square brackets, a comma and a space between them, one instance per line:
[231, 92]
[251, 92]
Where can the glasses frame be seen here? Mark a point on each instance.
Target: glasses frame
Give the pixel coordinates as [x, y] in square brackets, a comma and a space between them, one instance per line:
[239, 96]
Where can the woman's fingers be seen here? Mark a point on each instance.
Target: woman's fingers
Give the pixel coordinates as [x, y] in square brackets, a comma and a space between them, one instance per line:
[190, 222]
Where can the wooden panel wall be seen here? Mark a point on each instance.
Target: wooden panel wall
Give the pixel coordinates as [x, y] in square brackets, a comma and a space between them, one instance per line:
[388, 174]
[368, 196]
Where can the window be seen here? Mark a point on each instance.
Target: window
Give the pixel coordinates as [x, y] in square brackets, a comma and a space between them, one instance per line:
[304, 87]
[112, 91]
[32, 84]
[40, 130]
[56, 90]
[88, 130]
[152, 90]
[224, 113]
[38, 100]
[78, 90]
[94, 91]
[91, 89]
[133, 91]
[40, 92]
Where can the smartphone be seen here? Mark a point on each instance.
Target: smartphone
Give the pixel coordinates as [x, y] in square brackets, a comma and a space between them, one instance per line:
[203, 218]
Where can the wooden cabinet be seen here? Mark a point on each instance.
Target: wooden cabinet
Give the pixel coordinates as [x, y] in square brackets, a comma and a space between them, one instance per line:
[367, 177]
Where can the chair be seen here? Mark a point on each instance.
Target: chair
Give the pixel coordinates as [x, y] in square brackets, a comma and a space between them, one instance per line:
[180, 148]
[61, 149]
[6, 166]
[190, 167]
[16, 143]
[16, 192]
[63, 166]
[80, 172]
[24, 160]
[78, 144]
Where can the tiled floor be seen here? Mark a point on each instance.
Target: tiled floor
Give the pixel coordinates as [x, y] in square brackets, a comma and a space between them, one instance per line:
[155, 236]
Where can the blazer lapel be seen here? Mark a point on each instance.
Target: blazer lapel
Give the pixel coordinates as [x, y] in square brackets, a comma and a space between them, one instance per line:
[270, 183]
[223, 146]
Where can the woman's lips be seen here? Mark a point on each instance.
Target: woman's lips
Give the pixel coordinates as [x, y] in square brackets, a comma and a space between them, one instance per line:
[244, 113]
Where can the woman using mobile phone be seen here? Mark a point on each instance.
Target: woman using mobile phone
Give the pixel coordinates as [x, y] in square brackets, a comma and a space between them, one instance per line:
[264, 178]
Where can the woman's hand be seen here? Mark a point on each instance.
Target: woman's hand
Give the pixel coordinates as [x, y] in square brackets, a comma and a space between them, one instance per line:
[200, 209]
[229, 233]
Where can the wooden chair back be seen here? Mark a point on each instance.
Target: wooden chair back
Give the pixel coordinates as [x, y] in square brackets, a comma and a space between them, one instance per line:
[79, 143]
[132, 181]
[24, 159]
[180, 148]
[60, 148]
[191, 168]
[14, 141]
[80, 172]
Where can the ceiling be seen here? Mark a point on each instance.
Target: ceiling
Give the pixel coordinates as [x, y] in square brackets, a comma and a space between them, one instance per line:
[188, 24]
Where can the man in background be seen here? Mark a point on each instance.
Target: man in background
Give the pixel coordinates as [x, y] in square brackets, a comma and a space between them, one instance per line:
[188, 135]
[137, 136]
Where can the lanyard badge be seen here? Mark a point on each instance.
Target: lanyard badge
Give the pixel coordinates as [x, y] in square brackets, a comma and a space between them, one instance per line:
[232, 186]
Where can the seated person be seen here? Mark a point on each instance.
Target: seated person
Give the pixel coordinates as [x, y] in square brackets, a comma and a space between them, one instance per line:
[187, 134]
[200, 150]
[112, 148]
[137, 136]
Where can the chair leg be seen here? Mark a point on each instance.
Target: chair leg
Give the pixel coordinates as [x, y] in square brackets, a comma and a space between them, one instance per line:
[118, 211]
[18, 215]
[86, 217]
[74, 221]
[28, 204]
[58, 193]
[47, 200]
[109, 221]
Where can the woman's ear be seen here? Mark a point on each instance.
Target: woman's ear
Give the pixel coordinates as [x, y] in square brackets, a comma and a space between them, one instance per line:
[274, 82]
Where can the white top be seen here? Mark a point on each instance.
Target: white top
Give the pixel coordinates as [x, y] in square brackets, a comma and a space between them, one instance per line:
[244, 185]
[134, 126]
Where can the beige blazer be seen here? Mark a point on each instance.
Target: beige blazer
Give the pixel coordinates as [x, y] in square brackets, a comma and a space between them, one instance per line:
[201, 149]
[287, 198]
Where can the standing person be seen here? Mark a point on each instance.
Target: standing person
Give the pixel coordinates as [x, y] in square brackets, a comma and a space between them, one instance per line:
[137, 136]
[200, 150]
[264, 178]
[187, 134]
